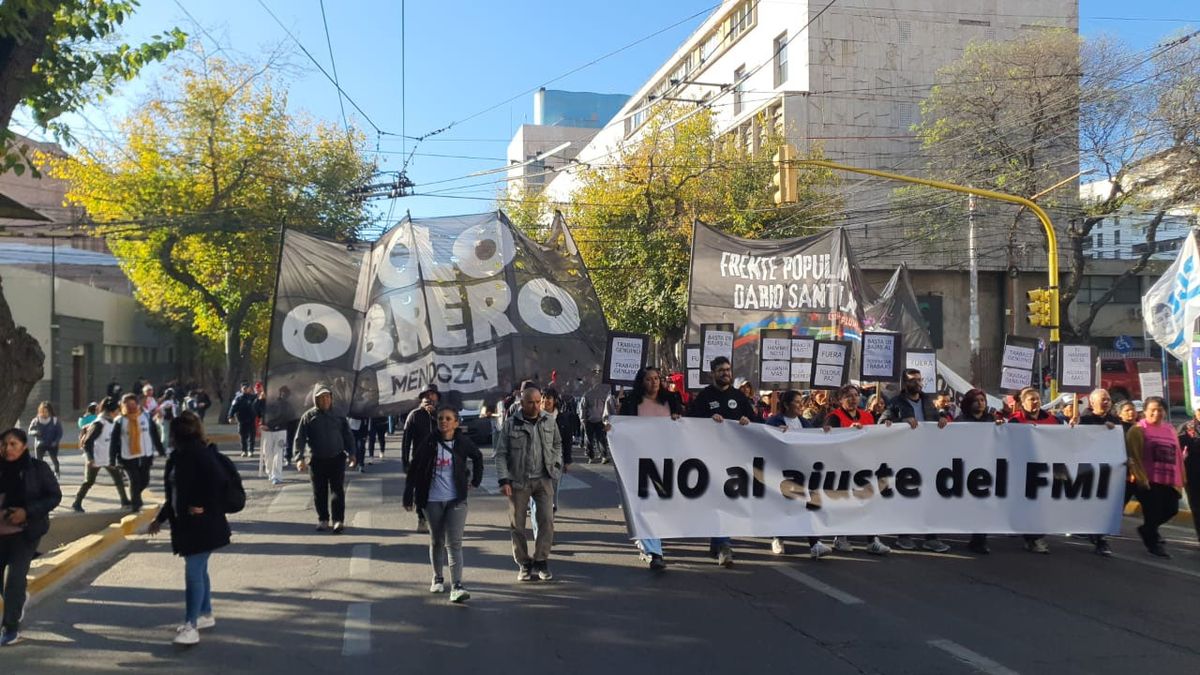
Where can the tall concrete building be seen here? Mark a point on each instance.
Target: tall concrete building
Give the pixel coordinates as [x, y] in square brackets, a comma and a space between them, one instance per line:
[849, 78]
[564, 122]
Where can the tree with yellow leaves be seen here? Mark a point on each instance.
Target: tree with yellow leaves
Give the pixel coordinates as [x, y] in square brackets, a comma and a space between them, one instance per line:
[192, 197]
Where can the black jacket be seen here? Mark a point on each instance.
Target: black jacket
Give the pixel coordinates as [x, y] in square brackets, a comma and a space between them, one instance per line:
[629, 405]
[419, 427]
[730, 404]
[42, 494]
[327, 434]
[193, 477]
[900, 408]
[420, 471]
[244, 408]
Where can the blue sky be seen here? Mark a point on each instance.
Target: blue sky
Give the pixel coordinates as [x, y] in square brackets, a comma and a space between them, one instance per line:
[466, 56]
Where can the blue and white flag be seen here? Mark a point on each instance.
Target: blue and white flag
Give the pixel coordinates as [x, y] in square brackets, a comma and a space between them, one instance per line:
[1172, 305]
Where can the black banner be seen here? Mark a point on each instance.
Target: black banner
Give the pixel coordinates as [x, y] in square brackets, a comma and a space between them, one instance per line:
[466, 303]
[808, 285]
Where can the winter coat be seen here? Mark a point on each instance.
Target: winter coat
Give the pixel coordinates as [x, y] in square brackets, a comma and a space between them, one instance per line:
[424, 460]
[42, 494]
[244, 410]
[194, 477]
[327, 435]
[514, 455]
[48, 435]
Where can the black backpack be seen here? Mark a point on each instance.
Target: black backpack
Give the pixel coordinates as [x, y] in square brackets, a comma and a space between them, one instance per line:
[233, 495]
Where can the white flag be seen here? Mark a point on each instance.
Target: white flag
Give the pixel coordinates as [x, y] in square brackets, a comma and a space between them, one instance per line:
[1172, 305]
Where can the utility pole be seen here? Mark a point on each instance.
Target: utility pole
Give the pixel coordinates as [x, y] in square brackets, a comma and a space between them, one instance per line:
[973, 330]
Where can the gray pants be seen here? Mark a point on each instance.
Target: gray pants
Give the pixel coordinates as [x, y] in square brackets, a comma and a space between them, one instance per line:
[542, 492]
[447, 520]
[16, 552]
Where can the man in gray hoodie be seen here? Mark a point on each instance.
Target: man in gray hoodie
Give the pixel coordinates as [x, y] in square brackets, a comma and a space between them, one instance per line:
[328, 437]
[528, 462]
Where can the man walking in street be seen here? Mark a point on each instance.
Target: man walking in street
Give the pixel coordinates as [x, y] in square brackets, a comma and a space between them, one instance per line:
[419, 426]
[328, 437]
[244, 410]
[596, 405]
[528, 463]
[1099, 411]
[276, 415]
[721, 401]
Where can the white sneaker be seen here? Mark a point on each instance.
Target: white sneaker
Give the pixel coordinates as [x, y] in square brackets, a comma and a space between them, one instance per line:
[819, 550]
[777, 546]
[877, 547]
[1037, 546]
[205, 621]
[438, 586]
[725, 556]
[842, 545]
[906, 543]
[187, 635]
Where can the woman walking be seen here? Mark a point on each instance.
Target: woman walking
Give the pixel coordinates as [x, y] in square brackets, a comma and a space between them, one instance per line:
[49, 432]
[1156, 461]
[437, 483]
[194, 483]
[28, 493]
[649, 398]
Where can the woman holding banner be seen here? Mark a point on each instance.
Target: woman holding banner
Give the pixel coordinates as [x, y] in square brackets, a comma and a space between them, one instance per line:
[847, 415]
[791, 418]
[1156, 461]
[975, 409]
[649, 398]
[1029, 411]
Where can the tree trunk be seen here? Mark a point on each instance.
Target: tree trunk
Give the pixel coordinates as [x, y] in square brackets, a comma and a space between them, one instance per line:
[21, 360]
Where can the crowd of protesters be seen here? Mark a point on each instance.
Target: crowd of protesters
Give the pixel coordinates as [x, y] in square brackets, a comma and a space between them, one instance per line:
[533, 431]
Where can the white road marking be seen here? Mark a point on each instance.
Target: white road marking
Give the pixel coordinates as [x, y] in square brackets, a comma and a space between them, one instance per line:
[362, 520]
[820, 586]
[1159, 565]
[360, 560]
[356, 637]
[977, 661]
[291, 498]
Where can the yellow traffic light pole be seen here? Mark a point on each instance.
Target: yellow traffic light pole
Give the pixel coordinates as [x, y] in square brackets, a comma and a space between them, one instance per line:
[1051, 238]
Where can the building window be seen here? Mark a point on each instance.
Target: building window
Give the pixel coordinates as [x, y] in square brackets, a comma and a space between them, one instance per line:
[775, 115]
[781, 63]
[739, 88]
[1095, 286]
[741, 20]
[1117, 238]
[904, 115]
[1099, 240]
[905, 32]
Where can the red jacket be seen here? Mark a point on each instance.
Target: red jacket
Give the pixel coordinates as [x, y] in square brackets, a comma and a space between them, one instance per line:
[1043, 417]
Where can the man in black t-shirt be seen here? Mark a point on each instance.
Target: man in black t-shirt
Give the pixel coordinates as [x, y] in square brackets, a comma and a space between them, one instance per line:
[720, 401]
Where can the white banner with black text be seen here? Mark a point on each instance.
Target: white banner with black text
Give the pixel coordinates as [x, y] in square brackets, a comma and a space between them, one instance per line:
[699, 478]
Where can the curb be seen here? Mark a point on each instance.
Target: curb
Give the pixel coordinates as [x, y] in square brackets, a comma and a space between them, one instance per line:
[1184, 517]
[49, 572]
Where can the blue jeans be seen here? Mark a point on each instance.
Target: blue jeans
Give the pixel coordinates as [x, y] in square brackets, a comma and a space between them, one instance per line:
[196, 588]
[715, 543]
[650, 546]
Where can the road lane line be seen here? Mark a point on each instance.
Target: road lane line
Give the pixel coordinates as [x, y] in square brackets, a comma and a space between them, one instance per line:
[977, 661]
[1158, 565]
[362, 520]
[356, 637]
[820, 586]
[360, 560]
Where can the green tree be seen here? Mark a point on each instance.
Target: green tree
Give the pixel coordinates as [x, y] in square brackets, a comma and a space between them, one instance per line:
[634, 211]
[56, 56]
[193, 198]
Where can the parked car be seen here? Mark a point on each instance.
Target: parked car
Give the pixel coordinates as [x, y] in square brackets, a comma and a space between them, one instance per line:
[1120, 378]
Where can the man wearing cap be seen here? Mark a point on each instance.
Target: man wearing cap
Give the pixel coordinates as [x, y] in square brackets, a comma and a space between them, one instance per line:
[328, 437]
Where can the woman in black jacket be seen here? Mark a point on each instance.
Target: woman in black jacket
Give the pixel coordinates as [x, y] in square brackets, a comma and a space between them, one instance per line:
[437, 483]
[28, 493]
[194, 482]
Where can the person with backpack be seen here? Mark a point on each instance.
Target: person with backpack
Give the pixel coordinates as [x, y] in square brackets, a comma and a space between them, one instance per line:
[134, 443]
[438, 482]
[48, 432]
[97, 444]
[195, 482]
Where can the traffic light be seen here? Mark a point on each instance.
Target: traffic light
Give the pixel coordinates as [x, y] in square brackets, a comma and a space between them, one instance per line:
[784, 179]
[1040, 307]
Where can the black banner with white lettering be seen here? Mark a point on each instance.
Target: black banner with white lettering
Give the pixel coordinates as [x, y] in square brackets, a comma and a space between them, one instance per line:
[808, 285]
[466, 303]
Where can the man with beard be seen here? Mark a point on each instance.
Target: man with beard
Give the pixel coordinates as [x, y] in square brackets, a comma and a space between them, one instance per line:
[913, 406]
[720, 401]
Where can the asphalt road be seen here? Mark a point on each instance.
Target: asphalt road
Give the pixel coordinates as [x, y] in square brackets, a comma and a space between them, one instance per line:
[290, 600]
